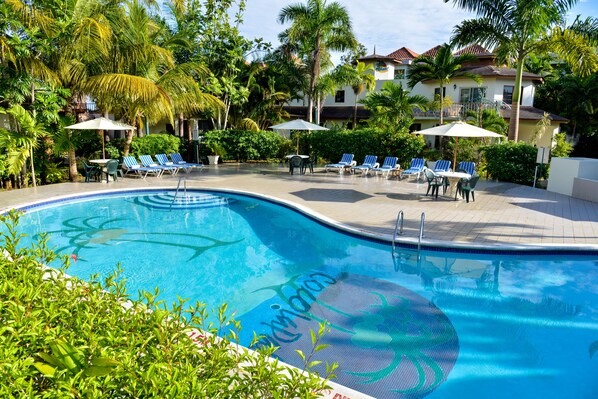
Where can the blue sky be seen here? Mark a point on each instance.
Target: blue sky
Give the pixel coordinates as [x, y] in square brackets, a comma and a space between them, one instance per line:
[386, 24]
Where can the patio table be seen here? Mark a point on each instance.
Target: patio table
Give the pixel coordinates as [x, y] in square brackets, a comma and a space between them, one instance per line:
[453, 178]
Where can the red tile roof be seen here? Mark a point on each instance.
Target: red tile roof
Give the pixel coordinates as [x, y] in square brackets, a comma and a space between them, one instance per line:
[402, 54]
[476, 50]
[432, 52]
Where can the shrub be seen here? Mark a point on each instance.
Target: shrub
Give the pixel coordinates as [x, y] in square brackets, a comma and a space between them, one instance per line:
[245, 145]
[62, 337]
[153, 144]
[511, 162]
[331, 144]
[561, 148]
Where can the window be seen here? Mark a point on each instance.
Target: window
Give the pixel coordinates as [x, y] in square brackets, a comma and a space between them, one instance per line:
[400, 74]
[437, 92]
[507, 94]
[472, 95]
[340, 96]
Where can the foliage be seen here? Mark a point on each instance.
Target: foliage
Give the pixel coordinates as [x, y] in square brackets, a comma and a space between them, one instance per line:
[62, 337]
[561, 147]
[511, 162]
[331, 144]
[443, 67]
[243, 145]
[488, 119]
[317, 27]
[516, 29]
[392, 107]
[155, 144]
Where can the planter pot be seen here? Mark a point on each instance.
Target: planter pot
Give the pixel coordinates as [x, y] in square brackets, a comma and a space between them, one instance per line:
[213, 159]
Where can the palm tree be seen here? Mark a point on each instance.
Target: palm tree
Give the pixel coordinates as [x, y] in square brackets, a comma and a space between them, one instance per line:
[441, 68]
[316, 29]
[363, 79]
[518, 28]
[488, 119]
[392, 106]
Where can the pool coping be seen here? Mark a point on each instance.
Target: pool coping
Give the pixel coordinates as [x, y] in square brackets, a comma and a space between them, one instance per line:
[406, 243]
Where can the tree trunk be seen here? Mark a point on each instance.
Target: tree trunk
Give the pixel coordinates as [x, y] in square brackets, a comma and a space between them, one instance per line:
[441, 104]
[73, 173]
[128, 140]
[181, 125]
[515, 111]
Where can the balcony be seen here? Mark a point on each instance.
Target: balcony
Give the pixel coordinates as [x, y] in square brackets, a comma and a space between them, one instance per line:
[83, 107]
[458, 111]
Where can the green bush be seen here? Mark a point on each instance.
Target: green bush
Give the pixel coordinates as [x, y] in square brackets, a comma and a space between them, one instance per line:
[64, 338]
[244, 145]
[331, 144]
[511, 162]
[153, 144]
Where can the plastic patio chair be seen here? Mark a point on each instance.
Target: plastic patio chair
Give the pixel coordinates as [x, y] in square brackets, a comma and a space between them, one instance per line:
[346, 162]
[467, 167]
[415, 168]
[111, 170]
[368, 164]
[296, 162]
[443, 165]
[434, 182]
[91, 171]
[468, 186]
[389, 165]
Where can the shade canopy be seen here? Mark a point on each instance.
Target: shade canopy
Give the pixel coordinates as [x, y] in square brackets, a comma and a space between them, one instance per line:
[297, 124]
[456, 130]
[100, 124]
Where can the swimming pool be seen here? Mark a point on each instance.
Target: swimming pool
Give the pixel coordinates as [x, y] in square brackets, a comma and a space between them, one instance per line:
[444, 325]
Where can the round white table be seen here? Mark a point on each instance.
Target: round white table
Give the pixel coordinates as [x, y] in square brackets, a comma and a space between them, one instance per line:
[453, 178]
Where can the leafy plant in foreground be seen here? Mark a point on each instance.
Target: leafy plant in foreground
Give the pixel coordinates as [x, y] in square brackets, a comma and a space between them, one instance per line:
[62, 337]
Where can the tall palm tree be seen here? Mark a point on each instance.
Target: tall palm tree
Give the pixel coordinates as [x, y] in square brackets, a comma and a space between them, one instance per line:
[363, 79]
[441, 68]
[518, 28]
[393, 106]
[316, 28]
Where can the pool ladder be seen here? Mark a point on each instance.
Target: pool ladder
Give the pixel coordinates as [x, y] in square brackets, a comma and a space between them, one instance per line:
[399, 231]
[176, 193]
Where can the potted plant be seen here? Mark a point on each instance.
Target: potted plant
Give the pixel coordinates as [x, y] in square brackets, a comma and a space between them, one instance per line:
[215, 151]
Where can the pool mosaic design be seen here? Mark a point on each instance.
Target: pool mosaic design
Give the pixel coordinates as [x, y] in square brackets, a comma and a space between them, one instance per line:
[446, 325]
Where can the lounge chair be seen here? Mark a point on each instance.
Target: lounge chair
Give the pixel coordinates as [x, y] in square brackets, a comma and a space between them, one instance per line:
[132, 165]
[434, 182]
[346, 162]
[388, 166]
[149, 162]
[415, 168]
[442, 166]
[177, 159]
[467, 167]
[163, 161]
[368, 164]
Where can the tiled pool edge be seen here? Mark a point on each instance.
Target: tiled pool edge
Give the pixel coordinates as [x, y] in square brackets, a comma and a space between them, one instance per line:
[401, 242]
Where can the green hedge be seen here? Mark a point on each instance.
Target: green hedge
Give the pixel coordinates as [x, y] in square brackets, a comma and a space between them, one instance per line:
[244, 145]
[511, 162]
[64, 338]
[331, 144]
[155, 144]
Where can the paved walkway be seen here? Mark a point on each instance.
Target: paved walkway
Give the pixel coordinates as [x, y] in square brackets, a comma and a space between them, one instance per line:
[503, 214]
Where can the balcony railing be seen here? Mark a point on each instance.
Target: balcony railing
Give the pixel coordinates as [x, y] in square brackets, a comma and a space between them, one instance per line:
[460, 110]
[83, 107]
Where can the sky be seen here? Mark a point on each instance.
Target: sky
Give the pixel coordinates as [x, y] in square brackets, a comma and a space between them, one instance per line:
[386, 24]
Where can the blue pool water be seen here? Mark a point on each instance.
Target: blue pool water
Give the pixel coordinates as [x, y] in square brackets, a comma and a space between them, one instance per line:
[451, 325]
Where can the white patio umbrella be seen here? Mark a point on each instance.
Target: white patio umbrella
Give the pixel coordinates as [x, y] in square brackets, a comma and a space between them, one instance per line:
[101, 124]
[456, 130]
[297, 124]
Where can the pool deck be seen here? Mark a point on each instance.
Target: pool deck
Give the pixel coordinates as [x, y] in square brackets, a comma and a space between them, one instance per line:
[504, 215]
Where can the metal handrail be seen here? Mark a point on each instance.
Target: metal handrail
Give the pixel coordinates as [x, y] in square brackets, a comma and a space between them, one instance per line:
[184, 179]
[421, 232]
[399, 228]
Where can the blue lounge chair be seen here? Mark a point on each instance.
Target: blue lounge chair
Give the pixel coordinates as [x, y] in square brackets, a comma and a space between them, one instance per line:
[368, 164]
[132, 165]
[415, 168]
[346, 162]
[388, 166]
[164, 161]
[442, 166]
[149, 162]
[468, 167]
[177, 159]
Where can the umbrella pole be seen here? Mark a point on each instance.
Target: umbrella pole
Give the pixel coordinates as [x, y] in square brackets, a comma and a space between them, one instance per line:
[455, 154]
[297, 152]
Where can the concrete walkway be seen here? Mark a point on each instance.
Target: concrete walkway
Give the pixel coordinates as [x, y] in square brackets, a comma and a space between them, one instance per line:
[503, 214]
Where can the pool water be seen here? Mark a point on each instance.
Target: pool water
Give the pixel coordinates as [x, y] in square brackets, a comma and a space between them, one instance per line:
[444, 325]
